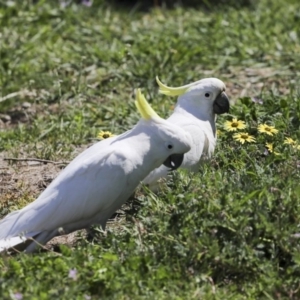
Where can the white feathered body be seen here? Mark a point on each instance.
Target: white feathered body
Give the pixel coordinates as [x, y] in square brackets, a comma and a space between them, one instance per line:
[89, 190]
[199, 121]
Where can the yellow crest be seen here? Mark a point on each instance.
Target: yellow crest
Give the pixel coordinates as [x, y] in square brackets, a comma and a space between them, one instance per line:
[144, 107]
[172, 91]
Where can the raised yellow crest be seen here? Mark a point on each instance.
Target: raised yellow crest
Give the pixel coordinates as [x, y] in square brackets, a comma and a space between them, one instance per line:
[172, 91]
[144, 107]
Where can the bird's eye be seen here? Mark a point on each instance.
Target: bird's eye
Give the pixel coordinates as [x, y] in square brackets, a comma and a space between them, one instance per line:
[207, 95]
[169, 146]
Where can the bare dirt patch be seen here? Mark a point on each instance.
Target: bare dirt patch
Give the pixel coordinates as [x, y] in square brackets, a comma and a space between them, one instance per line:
[28, 176]
[23, 180]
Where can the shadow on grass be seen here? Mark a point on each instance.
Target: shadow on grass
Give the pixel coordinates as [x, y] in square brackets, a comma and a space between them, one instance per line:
[207, 4]
[145, 5]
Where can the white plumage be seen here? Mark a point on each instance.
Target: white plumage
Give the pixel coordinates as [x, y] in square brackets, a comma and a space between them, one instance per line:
[195, 112]
[98, 181]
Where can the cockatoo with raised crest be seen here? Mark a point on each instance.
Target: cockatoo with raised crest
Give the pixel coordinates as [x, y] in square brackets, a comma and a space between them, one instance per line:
[97, 182]
[195, 112]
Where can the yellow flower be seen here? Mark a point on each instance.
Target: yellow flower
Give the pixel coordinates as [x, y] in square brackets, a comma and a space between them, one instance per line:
[218, 132]
[234, 125]
[244, 137]
[293, 143]
[264, 128]
[104, 135]
[271, 148]
[290, 141]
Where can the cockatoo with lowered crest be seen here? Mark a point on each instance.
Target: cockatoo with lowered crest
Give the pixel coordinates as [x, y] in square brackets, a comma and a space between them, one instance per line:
[196, 109]
[97, 182]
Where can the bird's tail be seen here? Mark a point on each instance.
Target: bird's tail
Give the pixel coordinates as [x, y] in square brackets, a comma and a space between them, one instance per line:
[12, 242]
[14, 233]
[28, 243]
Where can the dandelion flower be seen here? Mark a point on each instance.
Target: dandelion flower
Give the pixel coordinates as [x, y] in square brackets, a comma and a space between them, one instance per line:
[290, 141]
[244, 137]
[105, 135]
[264, 128]
[270, 148]
[234, 125]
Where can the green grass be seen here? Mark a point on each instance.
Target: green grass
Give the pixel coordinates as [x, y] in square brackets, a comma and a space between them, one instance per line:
[223, 233]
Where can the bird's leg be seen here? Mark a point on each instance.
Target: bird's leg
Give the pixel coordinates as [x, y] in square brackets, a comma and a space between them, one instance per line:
[92, 231]
[41, 240]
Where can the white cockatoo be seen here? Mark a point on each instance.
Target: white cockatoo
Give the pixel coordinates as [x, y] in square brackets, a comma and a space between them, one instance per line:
[97, 182]
[195, 112]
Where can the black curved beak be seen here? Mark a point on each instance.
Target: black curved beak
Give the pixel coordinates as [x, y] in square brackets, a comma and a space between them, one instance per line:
[174, 161]
[221, 104]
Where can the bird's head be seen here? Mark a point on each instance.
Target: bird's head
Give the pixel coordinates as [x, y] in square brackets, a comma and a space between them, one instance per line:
[172, 141]
[208, 92]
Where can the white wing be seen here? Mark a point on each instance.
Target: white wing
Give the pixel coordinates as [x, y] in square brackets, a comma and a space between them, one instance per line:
[83, 189]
